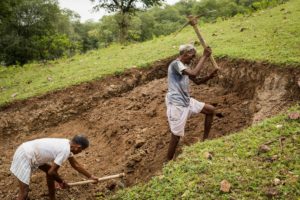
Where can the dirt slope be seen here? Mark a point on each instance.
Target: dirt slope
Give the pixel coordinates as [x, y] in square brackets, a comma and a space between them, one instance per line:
[124, 117]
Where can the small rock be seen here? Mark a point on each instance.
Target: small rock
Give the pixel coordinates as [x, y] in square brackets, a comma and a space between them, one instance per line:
[279, 126]
[14, 95]
[225, 186]
[161, 177]
[208, 155]
[276, 181]
[264, 148]
[275, 157]
[151, 113]
[294, 115]
[271, 192]
[112, 88]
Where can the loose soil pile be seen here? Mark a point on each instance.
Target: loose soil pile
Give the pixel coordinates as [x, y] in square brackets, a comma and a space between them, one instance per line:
[124, 117]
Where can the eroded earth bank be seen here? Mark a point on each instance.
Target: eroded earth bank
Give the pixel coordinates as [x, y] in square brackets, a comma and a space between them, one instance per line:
[124, 117]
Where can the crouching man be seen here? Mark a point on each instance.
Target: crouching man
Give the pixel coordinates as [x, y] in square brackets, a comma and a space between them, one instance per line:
[39, 153]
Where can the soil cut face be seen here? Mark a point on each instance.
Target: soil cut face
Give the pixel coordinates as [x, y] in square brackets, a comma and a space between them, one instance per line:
[125, 119]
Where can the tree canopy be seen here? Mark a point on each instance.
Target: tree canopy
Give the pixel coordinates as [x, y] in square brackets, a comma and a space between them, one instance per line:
[124, 9]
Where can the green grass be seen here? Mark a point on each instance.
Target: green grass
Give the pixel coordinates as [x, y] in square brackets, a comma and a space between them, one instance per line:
[235, 159]
[272, 35]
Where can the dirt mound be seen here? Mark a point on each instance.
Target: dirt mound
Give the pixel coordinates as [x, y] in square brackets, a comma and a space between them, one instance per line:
[124, 116]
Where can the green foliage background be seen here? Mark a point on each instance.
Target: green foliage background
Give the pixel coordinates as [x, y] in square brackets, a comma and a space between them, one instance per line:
[38, 30]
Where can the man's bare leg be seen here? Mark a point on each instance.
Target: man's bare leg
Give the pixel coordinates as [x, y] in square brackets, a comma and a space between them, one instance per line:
[23, 191]
[208, 110]
[172, 146]
[50, 181]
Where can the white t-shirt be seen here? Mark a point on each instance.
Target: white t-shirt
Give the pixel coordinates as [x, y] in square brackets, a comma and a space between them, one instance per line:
[45, 150]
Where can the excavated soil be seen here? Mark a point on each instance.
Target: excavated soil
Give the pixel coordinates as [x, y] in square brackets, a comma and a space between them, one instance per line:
[124, 117]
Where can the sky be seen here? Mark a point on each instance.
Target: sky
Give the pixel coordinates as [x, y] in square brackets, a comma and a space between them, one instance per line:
[84, 8]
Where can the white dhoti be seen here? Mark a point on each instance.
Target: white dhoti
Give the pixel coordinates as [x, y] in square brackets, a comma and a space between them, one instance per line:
[21, 166]
[178, 115]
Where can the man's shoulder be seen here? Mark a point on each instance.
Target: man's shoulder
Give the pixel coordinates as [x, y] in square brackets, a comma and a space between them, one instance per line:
[55, 143]
[175, 62]
[52, 140]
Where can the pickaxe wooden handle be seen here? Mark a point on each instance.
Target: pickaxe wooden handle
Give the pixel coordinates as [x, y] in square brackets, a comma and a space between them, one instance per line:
[100, 179]
[192, 22]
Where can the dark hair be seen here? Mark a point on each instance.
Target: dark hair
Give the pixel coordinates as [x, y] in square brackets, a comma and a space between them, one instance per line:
[81, 140]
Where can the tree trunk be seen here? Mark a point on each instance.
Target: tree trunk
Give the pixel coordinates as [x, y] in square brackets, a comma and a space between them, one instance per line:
[123, 25]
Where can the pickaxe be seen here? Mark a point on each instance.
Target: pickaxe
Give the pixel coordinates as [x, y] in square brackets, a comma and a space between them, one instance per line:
[193, 22]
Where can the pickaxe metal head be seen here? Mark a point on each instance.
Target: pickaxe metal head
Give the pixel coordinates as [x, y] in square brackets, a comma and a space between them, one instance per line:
[192, 20]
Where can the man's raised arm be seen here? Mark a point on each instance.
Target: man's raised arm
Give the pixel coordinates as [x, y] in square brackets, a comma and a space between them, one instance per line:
[196, 71]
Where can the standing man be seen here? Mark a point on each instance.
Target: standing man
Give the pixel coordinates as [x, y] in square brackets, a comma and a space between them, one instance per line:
[39, 153]
[179, 103]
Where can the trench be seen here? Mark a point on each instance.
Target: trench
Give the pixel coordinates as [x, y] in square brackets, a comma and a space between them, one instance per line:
[124, 118]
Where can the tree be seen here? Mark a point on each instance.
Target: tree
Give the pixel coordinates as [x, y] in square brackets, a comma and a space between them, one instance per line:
[87, 35]
[125, 9]
[167, 20]
[108, 30]
[34, 30]
[147, 26]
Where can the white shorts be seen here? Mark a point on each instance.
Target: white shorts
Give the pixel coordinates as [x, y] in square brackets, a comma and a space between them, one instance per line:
[21, 166]
[178, 115]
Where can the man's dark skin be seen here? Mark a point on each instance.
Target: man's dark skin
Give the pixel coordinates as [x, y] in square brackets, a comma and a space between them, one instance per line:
[208, 110]
[52, 175]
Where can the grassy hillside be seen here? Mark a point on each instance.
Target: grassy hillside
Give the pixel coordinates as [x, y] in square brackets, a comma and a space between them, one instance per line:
[252, 172]
[271, 35]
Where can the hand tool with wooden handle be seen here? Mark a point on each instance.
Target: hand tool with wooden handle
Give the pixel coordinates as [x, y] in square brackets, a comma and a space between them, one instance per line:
[193, 23]
[100, 179]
